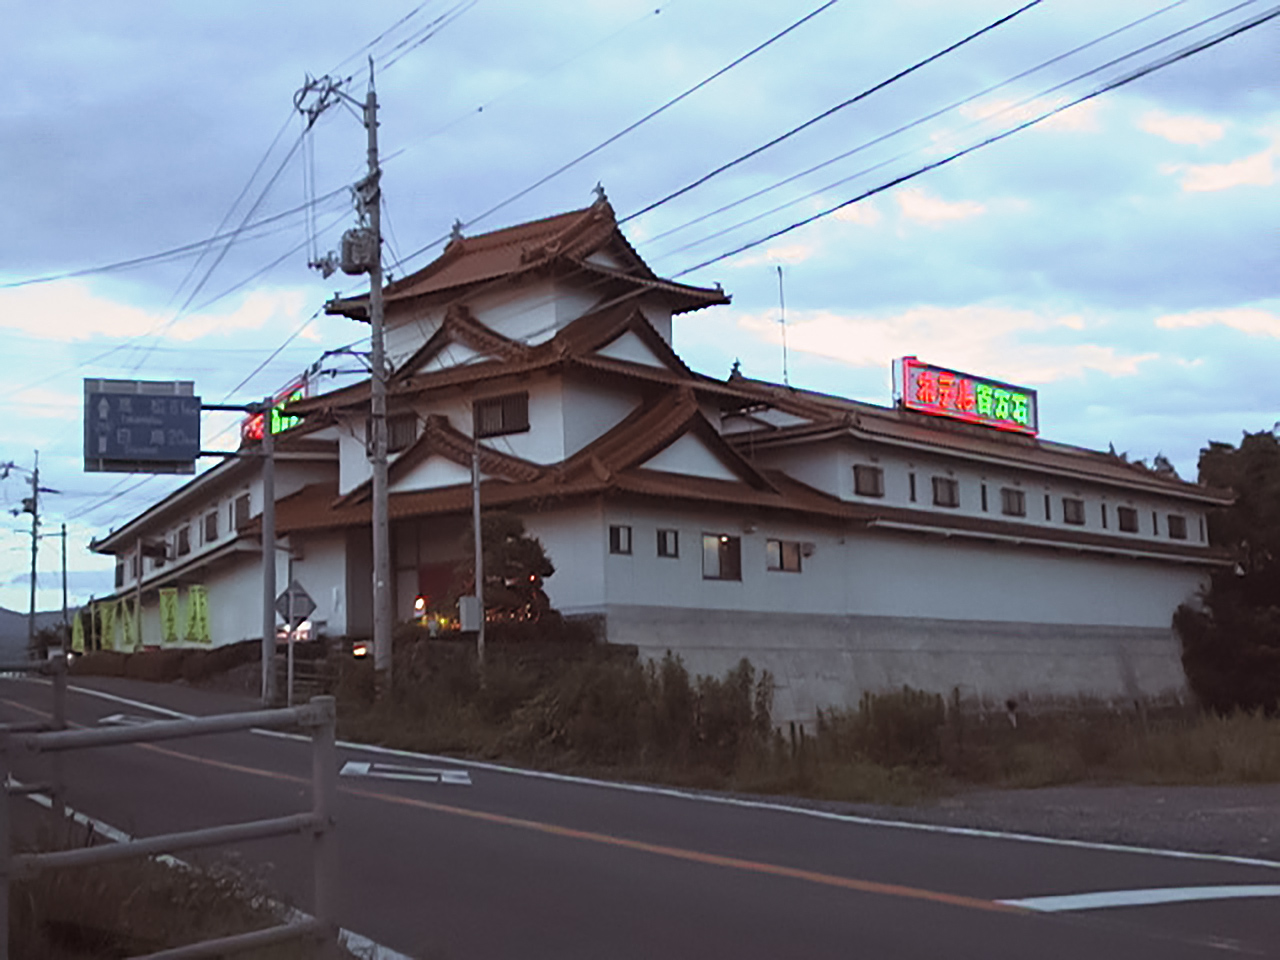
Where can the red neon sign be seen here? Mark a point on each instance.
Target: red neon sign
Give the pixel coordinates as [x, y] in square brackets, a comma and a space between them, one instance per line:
[251, 426]
[962, 396]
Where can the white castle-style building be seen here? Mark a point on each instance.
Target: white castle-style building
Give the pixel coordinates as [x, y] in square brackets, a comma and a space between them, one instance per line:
[841, 545]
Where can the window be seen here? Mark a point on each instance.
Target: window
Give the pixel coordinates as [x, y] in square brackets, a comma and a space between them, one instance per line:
[984, 498]
[782, 555]
[1013, 503]
[1202, 529]
[619, 539]
[868, 481]
[133, 567]
[1048, 507]
[1104, 516]
[1127, 518]
[119, 572]
[911, 482]
[242, 511]
[668, 543]
[184, 541]
[946, 492]
[402, 430]
[1072, 511]
[211, 526]
[161, 555]
[495, 416]
[1177, 526]
[721, 557]
[1155, 524]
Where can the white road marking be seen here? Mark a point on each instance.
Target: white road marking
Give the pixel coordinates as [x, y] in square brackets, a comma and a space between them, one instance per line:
[123, 720]
[358, 943]
[728, 801]
[1141, 898]
[391, 771]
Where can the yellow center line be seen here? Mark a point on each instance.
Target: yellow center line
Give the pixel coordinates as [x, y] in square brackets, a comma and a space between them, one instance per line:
[551, 829]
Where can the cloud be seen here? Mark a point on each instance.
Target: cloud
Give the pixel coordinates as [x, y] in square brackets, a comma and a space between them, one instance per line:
[1082, 118]
[69, 311]
[1256, 170]
[917, 205]
[791, 253]
[991, 340]
[1181, 129]
[865, 213]
[1251, 320]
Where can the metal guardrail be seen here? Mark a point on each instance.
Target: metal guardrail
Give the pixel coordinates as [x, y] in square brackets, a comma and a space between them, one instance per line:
[319, 715]
[56, 669]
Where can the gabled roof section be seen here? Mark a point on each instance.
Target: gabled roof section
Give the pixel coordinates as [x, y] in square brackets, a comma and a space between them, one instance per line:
[460, 326]
[649, 430]
[440, 438]
[567, 239]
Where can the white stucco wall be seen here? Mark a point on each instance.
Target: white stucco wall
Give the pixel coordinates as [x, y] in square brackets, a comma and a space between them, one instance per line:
[690, 456]
[592, 409]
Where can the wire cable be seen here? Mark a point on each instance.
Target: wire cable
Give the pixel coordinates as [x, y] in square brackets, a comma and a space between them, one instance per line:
[632, 126]
[1184, 53]
[831, 111]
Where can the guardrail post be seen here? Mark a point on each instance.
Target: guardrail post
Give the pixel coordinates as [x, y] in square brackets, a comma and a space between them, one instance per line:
[57, 789]
[324, 791]
[6, 841]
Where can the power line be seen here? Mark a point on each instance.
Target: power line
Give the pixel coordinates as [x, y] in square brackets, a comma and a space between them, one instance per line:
[831, 111]
[920, 121]
[427, 32]
[1009, 109]
[632, 126]
[1137, 74]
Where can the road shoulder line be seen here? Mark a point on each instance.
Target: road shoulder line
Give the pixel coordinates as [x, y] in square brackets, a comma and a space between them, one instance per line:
[738, 802]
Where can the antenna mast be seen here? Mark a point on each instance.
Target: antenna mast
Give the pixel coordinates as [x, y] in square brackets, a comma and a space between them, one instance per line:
[782, 320]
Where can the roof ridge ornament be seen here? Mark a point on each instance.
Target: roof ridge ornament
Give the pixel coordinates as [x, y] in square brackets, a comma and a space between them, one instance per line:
[598, 190]
[455, 232]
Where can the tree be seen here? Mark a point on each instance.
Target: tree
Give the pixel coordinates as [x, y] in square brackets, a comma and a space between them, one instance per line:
[515, 566]
[1231, 644]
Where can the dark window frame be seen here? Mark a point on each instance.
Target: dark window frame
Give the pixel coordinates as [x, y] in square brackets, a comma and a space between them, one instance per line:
[620, 539]
[1073, 511]
[501, 415]
[783, 556]
[728, 557]
[868, 480]
[1013, 502]
[1176, 524]
[210, 527]
[946, 492]
[668, 542]
[183, 540]
[243, 508]
[1127, 519]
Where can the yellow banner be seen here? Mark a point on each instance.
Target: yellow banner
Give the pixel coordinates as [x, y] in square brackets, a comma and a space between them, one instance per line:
[198, 614]
[128, 641]
[77, 633]
[108, 611]
[168, 615]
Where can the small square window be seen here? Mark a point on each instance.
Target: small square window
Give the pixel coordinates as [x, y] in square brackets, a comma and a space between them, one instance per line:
[619, 539]
[402, 431]
[1072, 511]
[495, 416]
[782, 555]
[1127, 518]
[868, 481]
[721, 557]
[1013, 503]
[946, 492]
[1177, 526]
[668, 543]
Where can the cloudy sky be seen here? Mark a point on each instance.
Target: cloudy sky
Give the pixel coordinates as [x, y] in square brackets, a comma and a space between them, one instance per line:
[1119, 257]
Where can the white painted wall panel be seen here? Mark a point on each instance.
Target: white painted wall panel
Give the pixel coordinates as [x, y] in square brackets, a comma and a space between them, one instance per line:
[689, 455]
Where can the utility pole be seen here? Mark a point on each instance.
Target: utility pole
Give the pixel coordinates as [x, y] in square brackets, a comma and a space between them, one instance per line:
[475, 520]
[66, 624]
[35, 541]
[371, 197]
[268, 556]
[362, 253]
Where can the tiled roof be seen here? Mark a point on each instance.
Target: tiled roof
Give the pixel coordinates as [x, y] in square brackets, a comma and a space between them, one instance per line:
[568, 238]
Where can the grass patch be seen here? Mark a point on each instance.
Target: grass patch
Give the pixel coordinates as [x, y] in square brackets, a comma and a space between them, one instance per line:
[596, 710]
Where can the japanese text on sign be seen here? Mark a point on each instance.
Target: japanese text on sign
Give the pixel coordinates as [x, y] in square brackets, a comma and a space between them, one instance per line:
[948, 393]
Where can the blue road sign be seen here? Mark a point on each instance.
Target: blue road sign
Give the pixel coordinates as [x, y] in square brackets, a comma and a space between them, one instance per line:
[132, 425]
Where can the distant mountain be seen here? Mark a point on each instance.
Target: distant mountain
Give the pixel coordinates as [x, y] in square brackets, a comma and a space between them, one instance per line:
[13, 630]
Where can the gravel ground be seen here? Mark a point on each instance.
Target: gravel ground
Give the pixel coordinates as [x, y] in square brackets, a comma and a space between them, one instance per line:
[1242, 821]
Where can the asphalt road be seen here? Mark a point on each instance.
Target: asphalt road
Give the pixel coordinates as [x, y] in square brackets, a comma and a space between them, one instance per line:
[482, 862]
